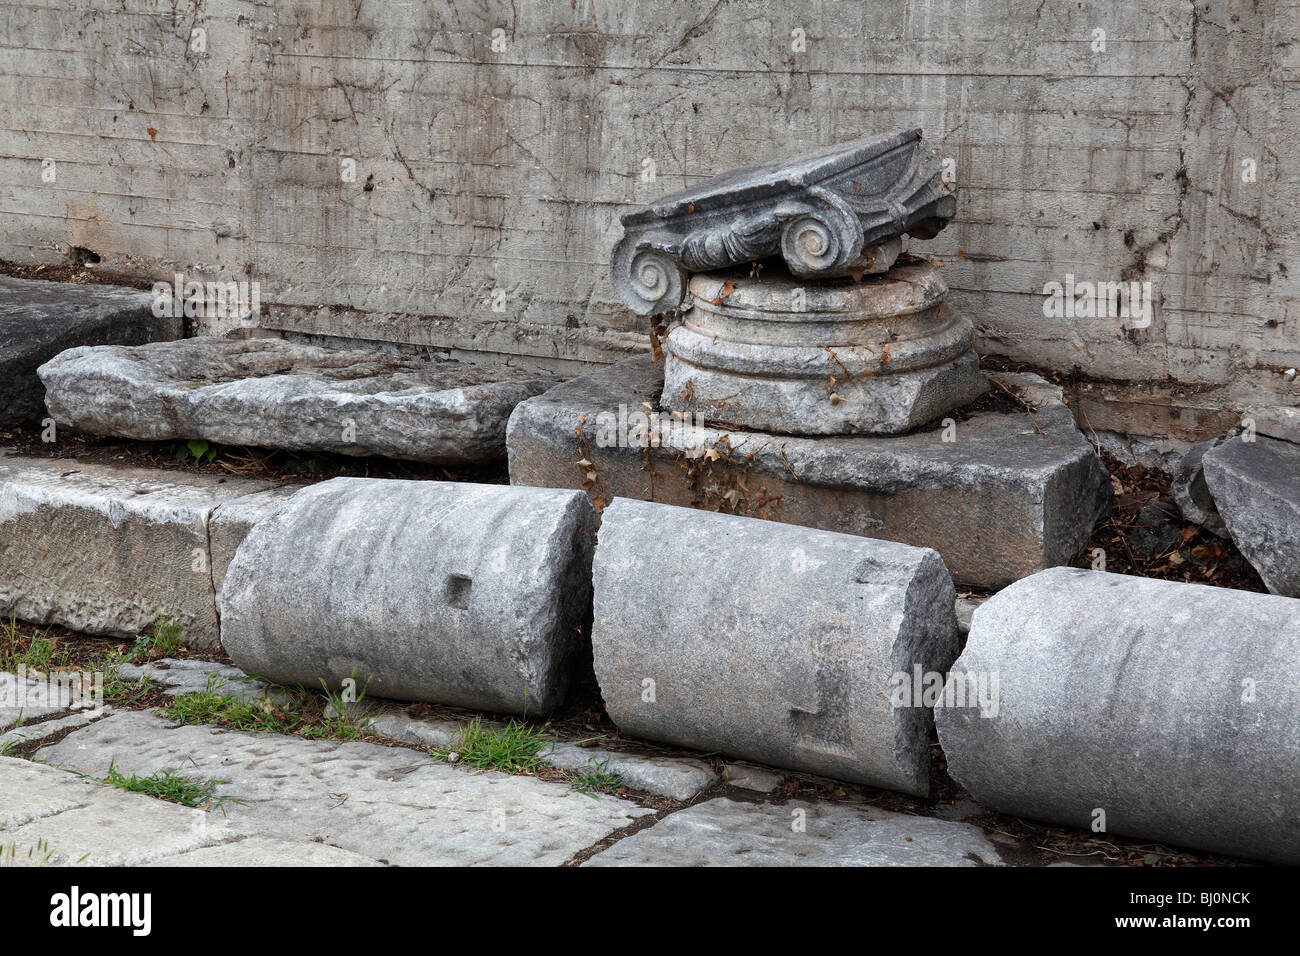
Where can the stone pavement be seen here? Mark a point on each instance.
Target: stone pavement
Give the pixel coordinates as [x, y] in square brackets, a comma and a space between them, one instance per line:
[292, 801]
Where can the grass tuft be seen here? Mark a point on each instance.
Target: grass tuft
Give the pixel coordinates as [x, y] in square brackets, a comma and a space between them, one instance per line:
[170, 785]
[595, 776]
[514, 748]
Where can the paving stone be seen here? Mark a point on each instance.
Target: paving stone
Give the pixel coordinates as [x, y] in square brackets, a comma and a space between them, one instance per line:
[678, 777]
[746, 776]
[390, 804]
[106, 550]
[276, 394]
[1256, 489]
[173, 677]
[27, 696]
[421, 731]
[769, 641]
[264, 851]
[38, 320]
[50, 817]
[453, 593]
[1172, 708]
[25, 733]
[1000, 502]
[723, 832]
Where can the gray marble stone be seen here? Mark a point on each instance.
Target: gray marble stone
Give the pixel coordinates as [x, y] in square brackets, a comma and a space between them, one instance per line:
[881, 356]
[390, 804]
[1169, 708]
[38, 320]
[108, 550]
[677, 777]
[1012, 493]
[1191, 493]
[50, 817]
[1256, 489]
[768, 641]
[276, 394]
[836, 211]
[453, 593]
[722, 832]
[173, 676]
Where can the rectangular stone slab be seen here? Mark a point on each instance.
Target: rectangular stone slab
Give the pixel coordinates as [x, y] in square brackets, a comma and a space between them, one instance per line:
[275, 394]
[999, 503]
[38, 320]
[106, 550]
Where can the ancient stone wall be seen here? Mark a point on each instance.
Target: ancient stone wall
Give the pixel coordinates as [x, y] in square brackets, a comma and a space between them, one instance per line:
[451, 174]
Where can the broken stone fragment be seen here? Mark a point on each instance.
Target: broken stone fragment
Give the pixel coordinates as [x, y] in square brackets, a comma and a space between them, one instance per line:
[38, 320]
[1256, 489]
[275, 394]
[1191, 493]
[770, 642]
[1129, 705]
[471, 595]
[881, 356]
[836, 211]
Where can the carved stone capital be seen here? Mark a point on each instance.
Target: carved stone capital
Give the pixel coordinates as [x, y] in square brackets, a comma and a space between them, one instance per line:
[838, 211]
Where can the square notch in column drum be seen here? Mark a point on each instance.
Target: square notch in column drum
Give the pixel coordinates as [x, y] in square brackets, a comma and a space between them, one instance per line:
[456, 591]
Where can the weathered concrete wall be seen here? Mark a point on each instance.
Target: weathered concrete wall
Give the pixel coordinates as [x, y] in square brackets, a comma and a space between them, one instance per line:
[501, 163]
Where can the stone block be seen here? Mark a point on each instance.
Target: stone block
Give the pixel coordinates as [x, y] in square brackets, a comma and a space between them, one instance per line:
[723, 832]
[769, 642]
[107, 550]
[1014, 493]
[38, 320]
[1256, 490]
[275, 394]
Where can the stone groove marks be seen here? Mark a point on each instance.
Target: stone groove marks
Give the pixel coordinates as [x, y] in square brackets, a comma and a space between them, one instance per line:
[389, 804]
[831, 212]
[275, 394]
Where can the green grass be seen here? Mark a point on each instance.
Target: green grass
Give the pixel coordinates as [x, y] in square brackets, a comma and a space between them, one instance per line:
[165, 639]
[170, 785]
[595, 776]
[514, 748]
[294, 711]
[39, 653]
[38, 855]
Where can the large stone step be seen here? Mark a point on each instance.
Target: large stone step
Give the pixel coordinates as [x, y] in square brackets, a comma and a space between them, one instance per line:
[275, 394]
[1000, 494]
[109, 550]
[38, 320]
